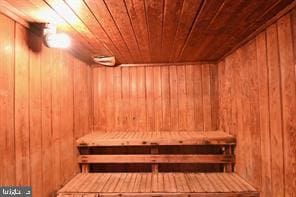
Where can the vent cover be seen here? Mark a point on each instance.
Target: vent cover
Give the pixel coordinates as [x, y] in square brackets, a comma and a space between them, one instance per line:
[105, 60]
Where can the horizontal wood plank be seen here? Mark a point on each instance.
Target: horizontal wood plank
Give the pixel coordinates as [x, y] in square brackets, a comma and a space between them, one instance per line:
[156, 159]
[150, 31]
[155, 138]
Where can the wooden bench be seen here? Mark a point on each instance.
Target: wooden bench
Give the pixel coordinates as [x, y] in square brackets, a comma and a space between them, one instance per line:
[155, 140]
[158, 184]
[155, 183]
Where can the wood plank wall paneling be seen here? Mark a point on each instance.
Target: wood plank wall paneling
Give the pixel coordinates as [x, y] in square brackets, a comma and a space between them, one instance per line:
[257, 103]
[155, 98]
[45, 99]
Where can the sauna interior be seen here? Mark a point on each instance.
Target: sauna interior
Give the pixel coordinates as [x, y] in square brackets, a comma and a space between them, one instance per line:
[148, 97]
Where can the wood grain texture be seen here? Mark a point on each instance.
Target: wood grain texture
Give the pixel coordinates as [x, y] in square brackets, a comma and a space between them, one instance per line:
[288, 92]
[158, 184]
[7, 47]
[21, 99]
[157, 98]
[35, 119]
[37, 110]
[152, 138]
[257, 103]
[155, 158]
[152, 31]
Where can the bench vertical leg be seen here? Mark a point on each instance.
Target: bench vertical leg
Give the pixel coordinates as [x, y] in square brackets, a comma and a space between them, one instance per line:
[228, 150]
[85, 166]
[154, 151]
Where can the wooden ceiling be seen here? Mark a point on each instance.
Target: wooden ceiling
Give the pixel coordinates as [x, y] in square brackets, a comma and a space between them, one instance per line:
[153, 31]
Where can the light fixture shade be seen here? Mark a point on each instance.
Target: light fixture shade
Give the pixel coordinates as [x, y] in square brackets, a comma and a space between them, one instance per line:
[58, 40]
[105, 60]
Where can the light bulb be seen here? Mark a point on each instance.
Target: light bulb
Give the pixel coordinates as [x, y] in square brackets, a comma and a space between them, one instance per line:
[58, 40]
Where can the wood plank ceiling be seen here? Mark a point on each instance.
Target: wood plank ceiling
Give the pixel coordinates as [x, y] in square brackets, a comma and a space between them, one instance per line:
[153, 31]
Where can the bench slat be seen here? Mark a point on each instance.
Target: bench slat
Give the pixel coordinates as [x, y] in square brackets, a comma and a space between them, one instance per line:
[156, 159]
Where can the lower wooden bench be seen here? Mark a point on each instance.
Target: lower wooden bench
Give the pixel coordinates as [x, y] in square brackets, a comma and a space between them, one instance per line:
[158, 184]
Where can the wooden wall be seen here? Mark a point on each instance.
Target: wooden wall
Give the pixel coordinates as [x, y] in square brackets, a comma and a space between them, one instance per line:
[257, 103]
[44, 105]
[155, 98]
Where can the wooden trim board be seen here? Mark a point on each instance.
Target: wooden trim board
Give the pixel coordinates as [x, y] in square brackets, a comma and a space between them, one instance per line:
[156, 159]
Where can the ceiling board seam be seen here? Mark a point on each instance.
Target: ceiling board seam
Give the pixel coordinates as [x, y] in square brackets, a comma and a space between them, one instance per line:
[162, 24]
[248, 27]
[200, 9]
[204, 43]
[130, 20]
[149, 36]
[177, 30]
[97, 39]
[104, 29]
[83, 38]
[119, 31]
[227, 26]
[260, 29]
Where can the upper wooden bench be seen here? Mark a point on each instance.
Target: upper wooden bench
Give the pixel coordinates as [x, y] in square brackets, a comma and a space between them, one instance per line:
[155, 138]
[154, 141]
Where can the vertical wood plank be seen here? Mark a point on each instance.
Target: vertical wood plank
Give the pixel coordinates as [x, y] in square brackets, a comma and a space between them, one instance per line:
[275, 112]
[157, 98]
[214, 95]
[67, 164]
[254, 118]
[109, 99]
[46, 95]
[198, 103]
[206, 94]
[77, 98]
[288, 92]
[56, 115]
[95, 101]
[90, 102]
[165, 98]
[101, 99]
[35, 119]
[190, 97]
[221, 95]
[141, 98]
[182, 98]
[22, 134]
[133, 101]
[126, 99]
[264, 113]
[7, 131]
[174, 98]
[150, 99]
[117, 99]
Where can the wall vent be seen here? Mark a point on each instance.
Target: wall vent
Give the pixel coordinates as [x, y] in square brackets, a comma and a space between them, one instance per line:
[105, 60]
